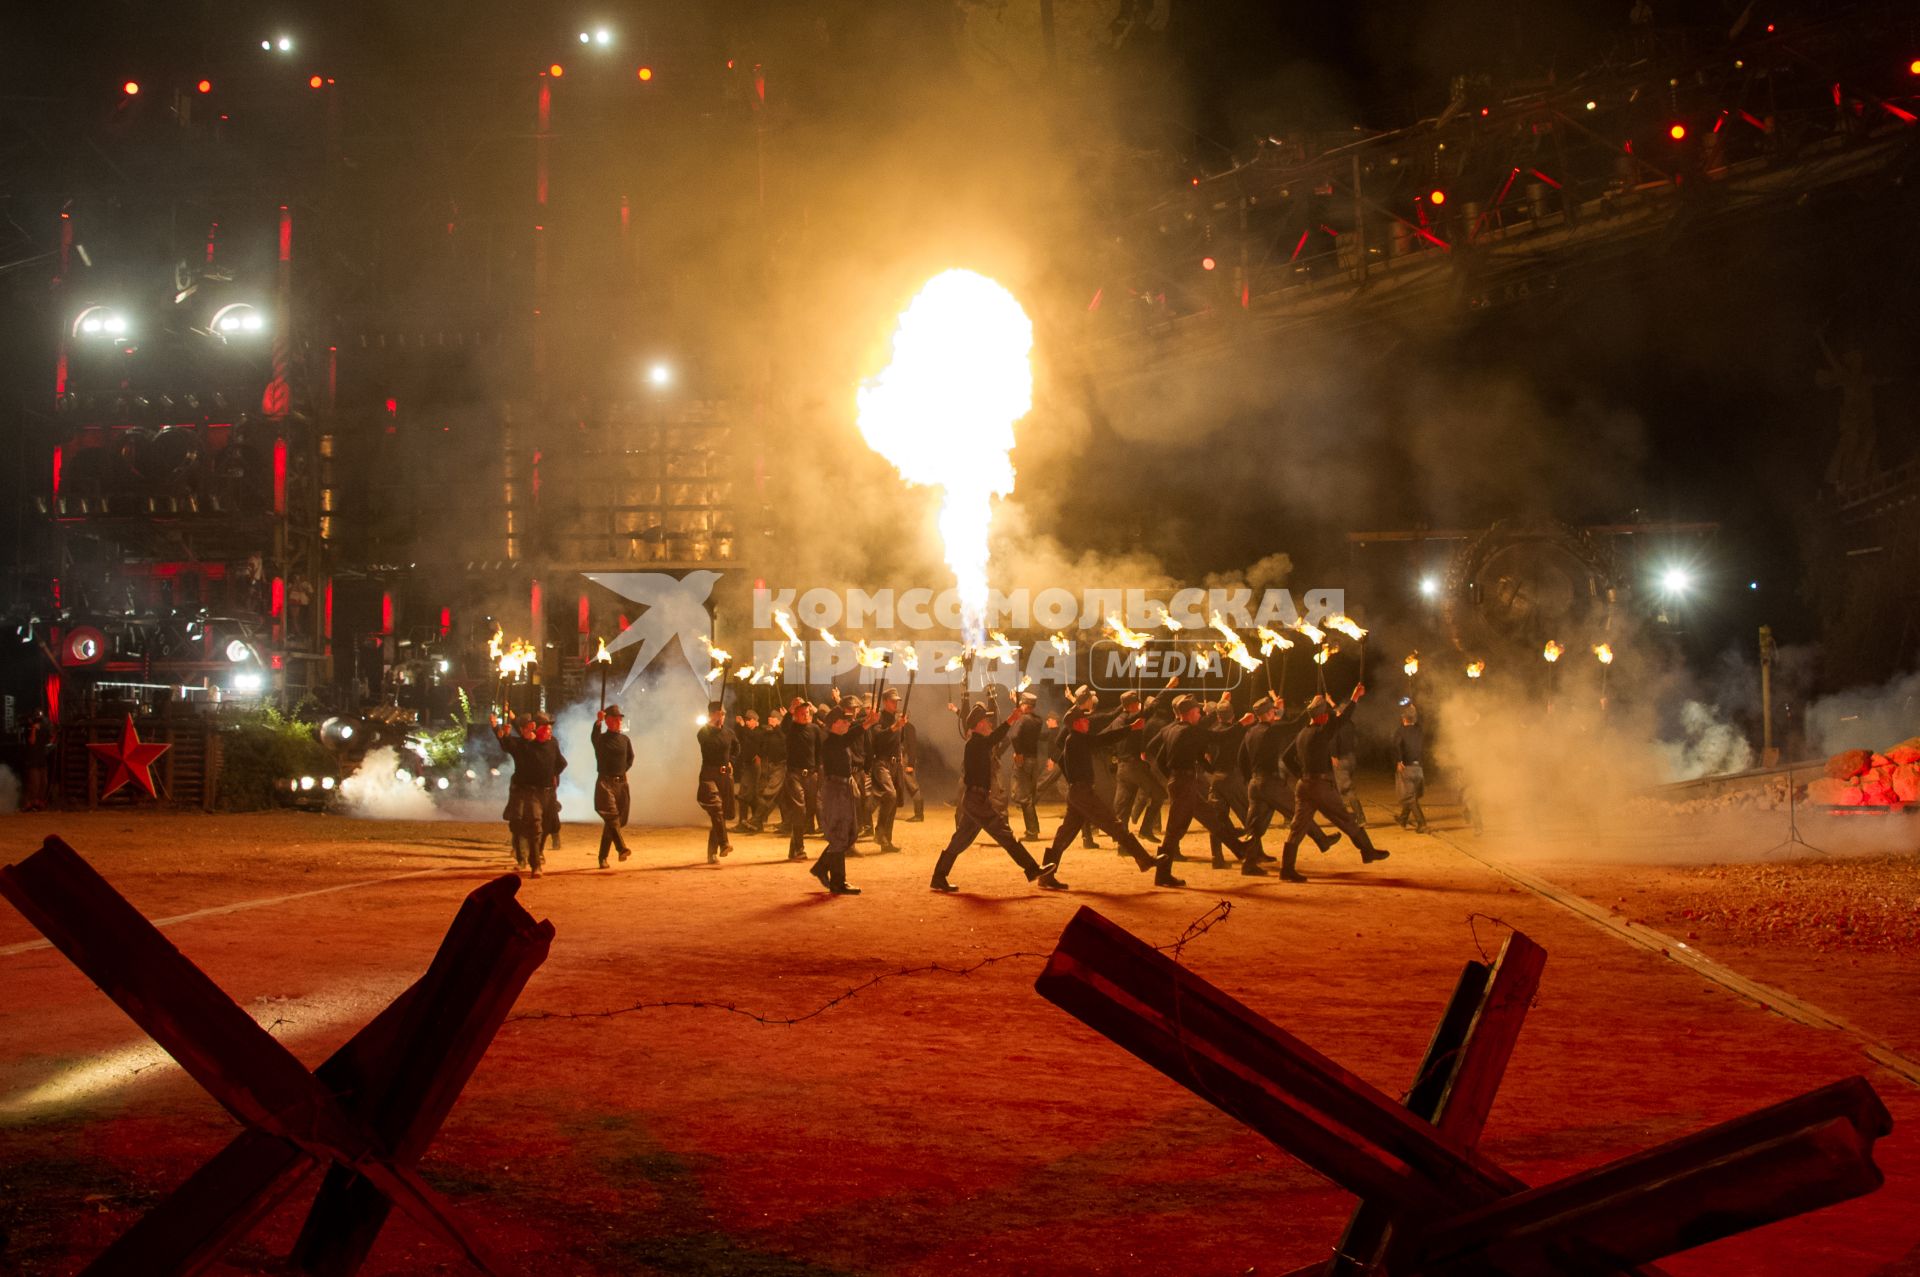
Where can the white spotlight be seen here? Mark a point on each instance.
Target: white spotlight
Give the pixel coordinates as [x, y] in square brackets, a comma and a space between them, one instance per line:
[584, 37]
[442, 783]
[1676, 580]
[286, 44]
[326, 782]
[1429, 587]
[603, 36]
[660, 375]
[238, 651]
[247, 682]
[306, 782]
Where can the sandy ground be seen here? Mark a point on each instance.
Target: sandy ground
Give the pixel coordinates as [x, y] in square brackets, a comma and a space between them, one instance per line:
[933, 1124]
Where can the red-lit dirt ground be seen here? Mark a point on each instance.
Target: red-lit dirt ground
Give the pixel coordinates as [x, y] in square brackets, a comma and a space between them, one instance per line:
[933, 1124]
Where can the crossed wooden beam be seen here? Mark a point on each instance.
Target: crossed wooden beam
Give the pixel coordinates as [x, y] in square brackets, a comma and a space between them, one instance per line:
[366, 1114]
[1430, 1203]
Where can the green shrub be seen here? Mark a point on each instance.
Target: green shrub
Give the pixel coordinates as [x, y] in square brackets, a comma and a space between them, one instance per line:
[260, 749]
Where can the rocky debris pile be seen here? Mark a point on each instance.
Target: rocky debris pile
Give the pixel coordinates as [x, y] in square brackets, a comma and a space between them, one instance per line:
[1862, 778]
[1868, 905]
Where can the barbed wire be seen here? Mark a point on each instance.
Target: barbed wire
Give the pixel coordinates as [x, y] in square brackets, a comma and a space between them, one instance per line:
[1194, 930]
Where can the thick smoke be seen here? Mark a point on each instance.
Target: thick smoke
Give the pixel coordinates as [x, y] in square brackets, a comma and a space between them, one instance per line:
[378, 790]
[1874, 718]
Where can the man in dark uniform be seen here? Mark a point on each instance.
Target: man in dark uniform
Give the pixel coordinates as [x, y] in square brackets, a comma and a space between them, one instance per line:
[910, 768]
[798, 802]
[550, 802]
[1028, 759]
[1078, 741]
[746, 768]
[612, 760]
[857, 711]
[1345, 765]
[839, 761]
[537, 766]
[773, 770]
[1182, 751]
[883, 768]
[1310, 756]
[976, 812]
[1409, 780]
[715, 794]
[1154, 798]
[1270, 785]
[1133, 783]
[1226, 791]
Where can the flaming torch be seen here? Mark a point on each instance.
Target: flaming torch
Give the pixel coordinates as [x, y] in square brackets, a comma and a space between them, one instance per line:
[873, 658]
[1476, 668]
[721, 658]
[1320, 659]
[785, 623]
[1603, 652]
[1272, 641]
[961, 369]
[1411, 667]
[1129, 640]
[1343, 624]
[909, 657]
[1235, 648]
[604, 659]
[1552, 652]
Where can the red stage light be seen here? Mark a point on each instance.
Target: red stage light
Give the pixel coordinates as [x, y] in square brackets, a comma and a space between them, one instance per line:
[556, 70]
[1913, 67]
[314, 82]
[1484, 112]
[646, 73]
[1677, 132]
[131, 88]
[1438, 196]
[205, 86]
[1207, 263]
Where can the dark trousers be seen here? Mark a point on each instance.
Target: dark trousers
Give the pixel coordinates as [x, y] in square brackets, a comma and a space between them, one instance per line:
[716, 797]
[1319, 796]
[907, 783]
[1410, 786]
[525, 811]
[1137, 794]
[611, 802]
[1086, 809]
[975, 815]
[1344, 769]
[746, 786]
[1023, 792]
[1187, 803]
[1273, 792]
[839, 809]
[884, 784]
[797, 807]
[773, 783]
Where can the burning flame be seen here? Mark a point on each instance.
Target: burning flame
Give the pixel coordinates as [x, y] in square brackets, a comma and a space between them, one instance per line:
[513, 660]
[1166, 619]
[957, 661]
[493, 644]
[1132, 640]
[1476, 668]
[1605, 652]
[871, 658]
[602, 656]
[1313, 632]
[943, 412]
[1412, 664]
[1060, 643]
[1320, 657]
[1026, 681]
[1001, 649]
[910, 657]
[1552, 651]
[1272, 641]
[785, 623]
[1235, 648]
[826, 636]
[1345, 625]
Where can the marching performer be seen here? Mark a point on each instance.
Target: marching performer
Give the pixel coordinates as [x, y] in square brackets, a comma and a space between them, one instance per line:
[612, 760]
[976, 813]
[715, 792]
[1310, 756]
[1077, 743]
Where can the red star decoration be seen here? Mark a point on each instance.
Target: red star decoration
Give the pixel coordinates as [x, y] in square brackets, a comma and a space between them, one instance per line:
[131, 760]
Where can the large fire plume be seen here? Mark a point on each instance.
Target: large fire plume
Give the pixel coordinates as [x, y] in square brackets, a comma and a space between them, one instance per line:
[943, 413]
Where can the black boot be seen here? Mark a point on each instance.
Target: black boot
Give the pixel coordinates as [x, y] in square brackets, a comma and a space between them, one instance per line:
[1287, 872]
[1163, 872]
